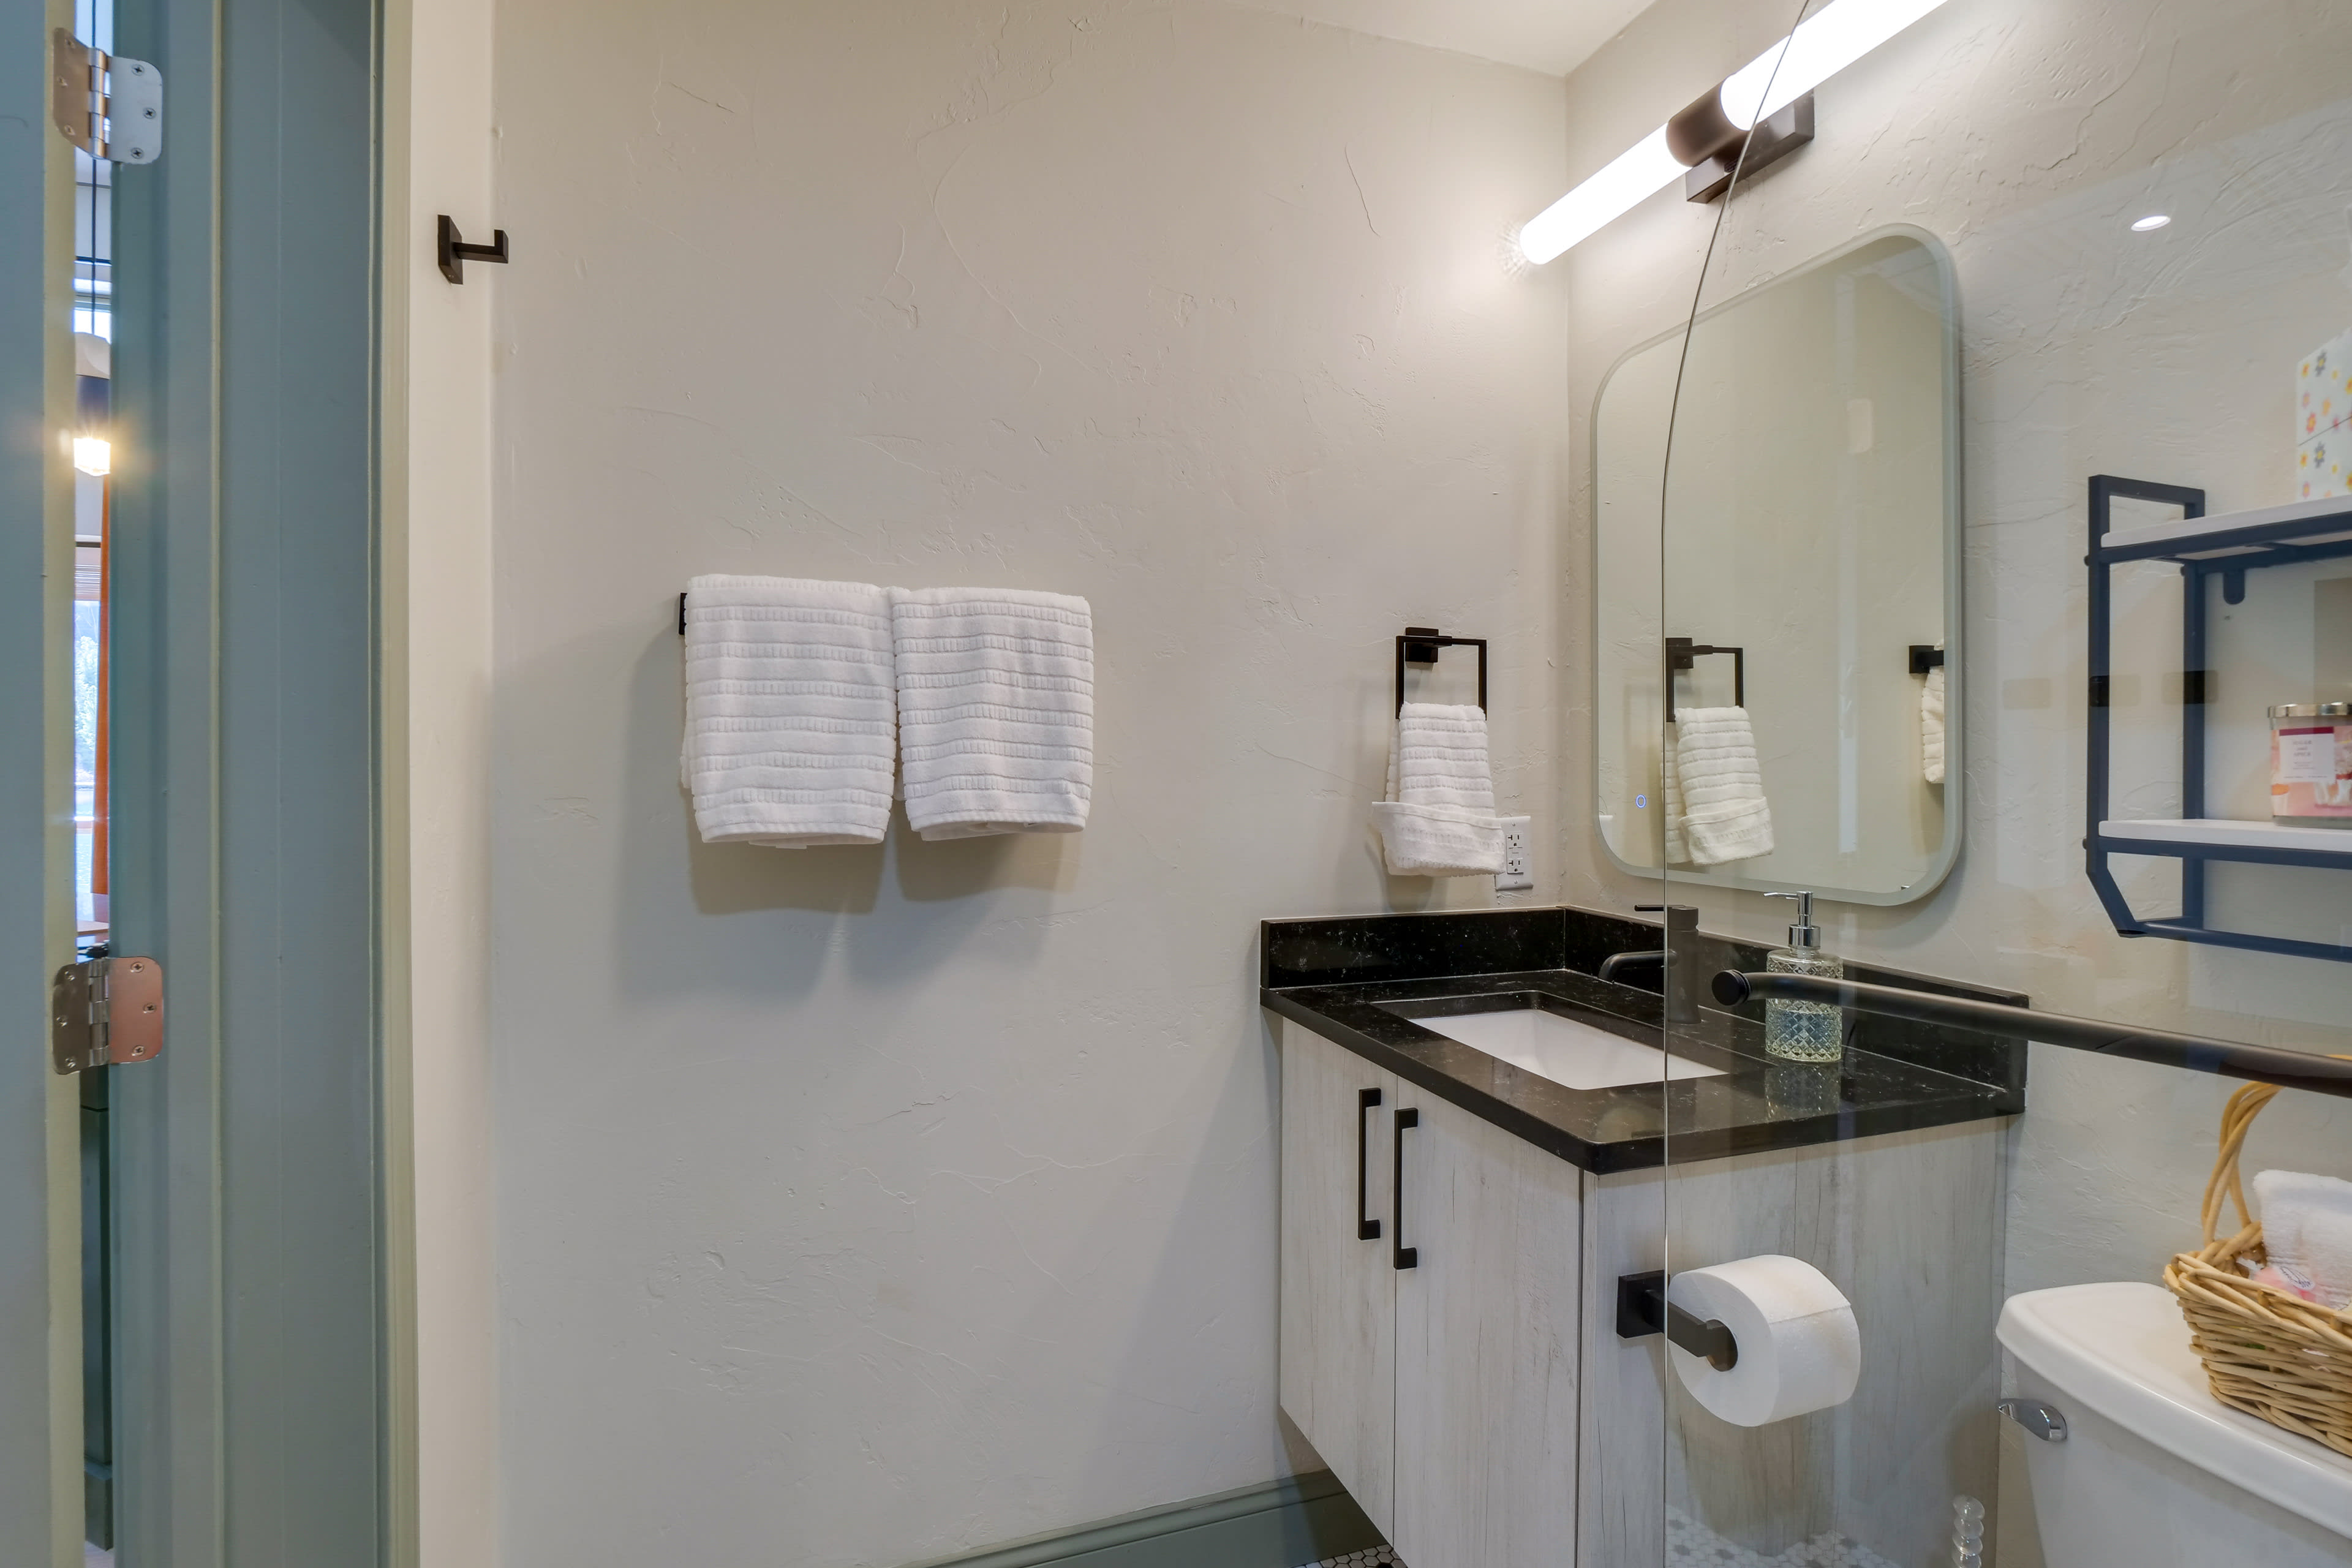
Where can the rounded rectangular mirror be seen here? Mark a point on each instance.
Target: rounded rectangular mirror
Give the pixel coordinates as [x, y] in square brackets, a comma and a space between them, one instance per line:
[1812, 576]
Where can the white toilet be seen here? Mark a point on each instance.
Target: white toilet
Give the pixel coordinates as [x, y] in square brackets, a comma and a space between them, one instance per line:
[2154, 1472]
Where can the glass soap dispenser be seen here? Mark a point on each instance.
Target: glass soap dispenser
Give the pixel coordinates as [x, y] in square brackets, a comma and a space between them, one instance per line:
[1804, 1031]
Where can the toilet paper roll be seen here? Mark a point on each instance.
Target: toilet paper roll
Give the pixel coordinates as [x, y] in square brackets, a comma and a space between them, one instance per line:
[1799, 1348]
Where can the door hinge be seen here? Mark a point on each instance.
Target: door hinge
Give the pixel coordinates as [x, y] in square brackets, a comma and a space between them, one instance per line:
[106, 1011]
[110, 106]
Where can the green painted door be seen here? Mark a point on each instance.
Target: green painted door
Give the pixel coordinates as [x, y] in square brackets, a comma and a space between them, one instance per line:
[40, 1374]
[193, 1296]
[41, 1234]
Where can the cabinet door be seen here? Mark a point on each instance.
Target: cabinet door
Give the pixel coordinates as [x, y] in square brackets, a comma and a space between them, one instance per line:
[1486, 1352]
[1339, 1293]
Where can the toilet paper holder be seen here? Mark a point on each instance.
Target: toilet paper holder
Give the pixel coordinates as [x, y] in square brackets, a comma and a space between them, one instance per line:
[1643, 1309]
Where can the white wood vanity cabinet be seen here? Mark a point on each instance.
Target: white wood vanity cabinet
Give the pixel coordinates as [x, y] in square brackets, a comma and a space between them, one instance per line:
[1430, 1312]
[1469, 1401]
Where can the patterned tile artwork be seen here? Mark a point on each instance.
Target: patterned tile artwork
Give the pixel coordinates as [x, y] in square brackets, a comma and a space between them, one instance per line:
[1378, 1557]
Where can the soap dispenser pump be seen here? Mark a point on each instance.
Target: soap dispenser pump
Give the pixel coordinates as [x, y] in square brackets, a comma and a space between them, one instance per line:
[1804, 1031]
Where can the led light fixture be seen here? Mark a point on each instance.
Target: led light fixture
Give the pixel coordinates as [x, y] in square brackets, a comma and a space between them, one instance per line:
[2152, 222]
[92, 454]
[1764, 108]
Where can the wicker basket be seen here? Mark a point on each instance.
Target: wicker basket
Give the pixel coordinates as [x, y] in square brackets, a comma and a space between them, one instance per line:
[2266, 1353]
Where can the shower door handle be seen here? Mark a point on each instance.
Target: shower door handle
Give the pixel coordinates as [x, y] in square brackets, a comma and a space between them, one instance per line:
[1367, 1102]
[1403, 1256]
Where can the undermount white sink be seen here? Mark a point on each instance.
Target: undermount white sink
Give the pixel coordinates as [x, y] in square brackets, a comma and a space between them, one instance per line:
[1572, 1054]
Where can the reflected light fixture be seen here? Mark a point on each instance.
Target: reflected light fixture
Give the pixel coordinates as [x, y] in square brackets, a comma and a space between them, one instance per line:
[2151, 223]
[92, 454]
[1705, 139]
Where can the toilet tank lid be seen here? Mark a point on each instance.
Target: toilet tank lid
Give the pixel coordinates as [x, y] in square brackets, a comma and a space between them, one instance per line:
[2122, 1349]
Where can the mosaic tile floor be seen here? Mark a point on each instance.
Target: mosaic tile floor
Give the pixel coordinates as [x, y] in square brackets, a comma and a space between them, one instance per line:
[1690, 1544]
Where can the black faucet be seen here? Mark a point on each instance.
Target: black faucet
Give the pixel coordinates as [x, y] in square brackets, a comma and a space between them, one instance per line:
[1678, 959]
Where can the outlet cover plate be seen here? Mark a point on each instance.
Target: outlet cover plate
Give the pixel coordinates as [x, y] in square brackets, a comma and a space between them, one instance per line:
[1515, 876]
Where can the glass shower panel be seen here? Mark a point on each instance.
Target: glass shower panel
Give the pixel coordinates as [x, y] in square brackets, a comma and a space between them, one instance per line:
[2055, 290]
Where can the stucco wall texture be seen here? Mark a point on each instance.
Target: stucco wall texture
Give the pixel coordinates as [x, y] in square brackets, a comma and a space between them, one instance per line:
[856, 1206]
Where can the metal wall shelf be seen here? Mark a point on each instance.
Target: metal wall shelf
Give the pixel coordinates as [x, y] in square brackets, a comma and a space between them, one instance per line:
[2226, 547]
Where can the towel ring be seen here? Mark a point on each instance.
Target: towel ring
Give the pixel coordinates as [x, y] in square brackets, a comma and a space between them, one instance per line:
[1681, 651]
[1419, 644]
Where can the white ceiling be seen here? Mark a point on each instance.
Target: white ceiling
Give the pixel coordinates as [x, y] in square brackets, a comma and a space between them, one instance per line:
[1551, 36]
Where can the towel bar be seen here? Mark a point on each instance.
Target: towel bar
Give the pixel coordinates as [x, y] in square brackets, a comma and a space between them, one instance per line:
[1681, 651]
[1419, 644]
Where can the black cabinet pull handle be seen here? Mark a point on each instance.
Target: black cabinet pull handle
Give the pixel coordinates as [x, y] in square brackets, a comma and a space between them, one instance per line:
[1367, 1227]
[1403, 1256]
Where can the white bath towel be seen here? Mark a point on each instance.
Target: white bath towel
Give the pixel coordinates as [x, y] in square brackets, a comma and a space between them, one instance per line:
[1725, 816]
[1931, 725]
[790, 711]
[2307, 1228]
[1438, 819]
[996, 709]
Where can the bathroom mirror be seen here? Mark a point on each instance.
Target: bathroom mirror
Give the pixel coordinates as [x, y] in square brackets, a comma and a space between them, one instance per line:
[1811, 509]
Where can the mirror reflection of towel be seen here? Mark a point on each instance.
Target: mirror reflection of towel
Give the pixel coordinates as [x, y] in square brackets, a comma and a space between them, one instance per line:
[1931, 725]
[1670, 794]
[1724, 814]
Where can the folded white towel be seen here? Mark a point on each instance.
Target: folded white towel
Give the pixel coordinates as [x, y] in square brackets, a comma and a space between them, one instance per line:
[1438, 840]
[1931, 725]
[1439, 817]
[1439, 758]
[1670, 798]
[1725, 816]
[2307, 1228]
[996, 709]
[790, 711]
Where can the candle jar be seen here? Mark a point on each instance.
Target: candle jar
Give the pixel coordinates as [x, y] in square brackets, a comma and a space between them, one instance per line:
[2311, 764]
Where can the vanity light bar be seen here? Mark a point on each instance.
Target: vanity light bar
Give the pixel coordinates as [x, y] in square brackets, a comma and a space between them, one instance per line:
[1823, 45]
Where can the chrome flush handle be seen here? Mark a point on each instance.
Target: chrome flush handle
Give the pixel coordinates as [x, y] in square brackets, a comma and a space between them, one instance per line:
[2045, 1422]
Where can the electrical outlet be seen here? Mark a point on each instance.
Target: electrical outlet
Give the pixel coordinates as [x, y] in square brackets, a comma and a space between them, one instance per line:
[1515, 876]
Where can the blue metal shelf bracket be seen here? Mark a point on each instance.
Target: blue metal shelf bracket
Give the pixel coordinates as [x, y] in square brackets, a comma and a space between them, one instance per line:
[2227, 553]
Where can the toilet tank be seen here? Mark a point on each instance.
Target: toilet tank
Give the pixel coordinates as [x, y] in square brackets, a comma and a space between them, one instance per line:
[2154, 1471]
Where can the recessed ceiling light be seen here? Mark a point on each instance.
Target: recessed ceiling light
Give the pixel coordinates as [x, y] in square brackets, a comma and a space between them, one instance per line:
[2152, 221]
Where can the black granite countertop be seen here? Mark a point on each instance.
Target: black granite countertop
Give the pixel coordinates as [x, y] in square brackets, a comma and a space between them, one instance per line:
[1361, 982]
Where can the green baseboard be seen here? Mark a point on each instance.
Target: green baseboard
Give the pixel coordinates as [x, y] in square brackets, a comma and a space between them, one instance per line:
[1282, 1524]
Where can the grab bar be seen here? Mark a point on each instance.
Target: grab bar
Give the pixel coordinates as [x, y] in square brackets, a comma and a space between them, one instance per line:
[2256, 1064]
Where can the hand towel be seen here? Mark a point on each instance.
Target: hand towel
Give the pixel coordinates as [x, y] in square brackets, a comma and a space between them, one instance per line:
[996, 709]
[1725, 816]
[1438, 819]
[1669, 801]
[1931, 725]
[1439, 757]
[790, 711]
[2308, 1229]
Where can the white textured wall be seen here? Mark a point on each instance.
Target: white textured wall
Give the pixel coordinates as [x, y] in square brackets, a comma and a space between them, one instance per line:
[437, 424]
[2027, 135]
[859, 1206]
